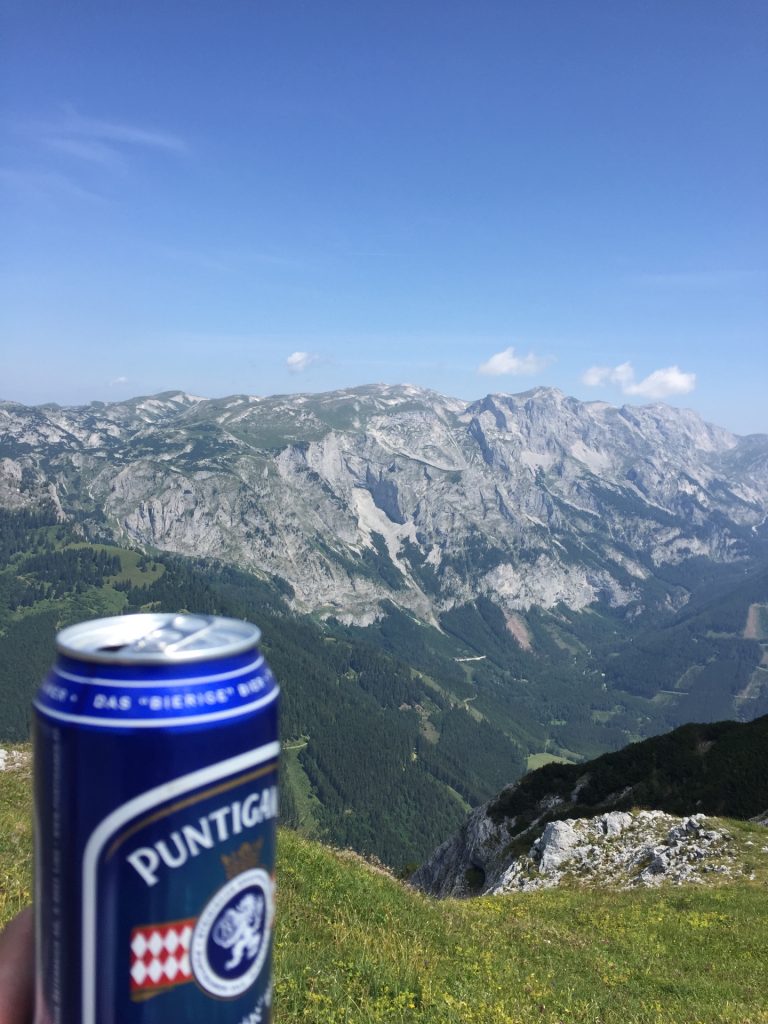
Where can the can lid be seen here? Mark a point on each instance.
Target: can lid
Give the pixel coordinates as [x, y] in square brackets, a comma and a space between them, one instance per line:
[157, 638]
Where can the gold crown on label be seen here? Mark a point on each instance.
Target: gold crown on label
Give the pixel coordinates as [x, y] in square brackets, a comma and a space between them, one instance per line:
[247, 857]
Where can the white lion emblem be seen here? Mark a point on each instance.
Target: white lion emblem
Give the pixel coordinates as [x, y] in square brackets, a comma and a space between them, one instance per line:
[238, 929]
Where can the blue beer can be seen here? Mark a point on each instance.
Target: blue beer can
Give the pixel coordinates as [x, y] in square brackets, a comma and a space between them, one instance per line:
[156, 753]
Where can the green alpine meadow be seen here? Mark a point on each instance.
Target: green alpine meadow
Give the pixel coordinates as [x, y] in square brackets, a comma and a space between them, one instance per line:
[353, 944]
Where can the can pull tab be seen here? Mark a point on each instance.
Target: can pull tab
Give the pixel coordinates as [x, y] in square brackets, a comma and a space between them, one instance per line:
[182, 630]
[157, 638]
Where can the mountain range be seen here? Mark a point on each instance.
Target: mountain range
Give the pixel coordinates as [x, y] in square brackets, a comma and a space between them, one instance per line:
[398, 494]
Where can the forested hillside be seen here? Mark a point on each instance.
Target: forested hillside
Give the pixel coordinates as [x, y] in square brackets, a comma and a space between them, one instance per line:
[715, 768]
[393, 731]
[373, 748]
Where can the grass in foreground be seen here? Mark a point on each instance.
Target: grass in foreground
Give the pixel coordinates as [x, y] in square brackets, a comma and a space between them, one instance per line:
[353, 946]
[15, 838]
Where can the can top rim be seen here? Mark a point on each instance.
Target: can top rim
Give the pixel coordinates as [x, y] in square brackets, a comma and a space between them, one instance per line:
[157, 638]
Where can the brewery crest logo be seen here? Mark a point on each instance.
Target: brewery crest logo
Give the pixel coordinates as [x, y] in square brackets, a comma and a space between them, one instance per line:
[231, 938]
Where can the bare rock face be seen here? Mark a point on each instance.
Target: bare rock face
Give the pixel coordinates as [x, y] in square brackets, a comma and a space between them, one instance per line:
[555, 846]
[621, 849]
[625, 850]
[470, 861]
[397, 493]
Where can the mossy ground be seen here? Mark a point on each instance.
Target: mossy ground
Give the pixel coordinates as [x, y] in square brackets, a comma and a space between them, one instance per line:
[355, 946]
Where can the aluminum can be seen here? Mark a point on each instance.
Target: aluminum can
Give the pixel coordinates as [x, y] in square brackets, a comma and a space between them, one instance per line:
[156, 755]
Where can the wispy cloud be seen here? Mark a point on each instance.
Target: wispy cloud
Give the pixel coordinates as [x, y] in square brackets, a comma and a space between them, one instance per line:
[85, 149]
[103, 141]
[116, 381]
[45, 185]
[698, 279]
[199, 258]
[227, 260]
[297, 362]
[508, 362]
[79, 140]
[670, 380]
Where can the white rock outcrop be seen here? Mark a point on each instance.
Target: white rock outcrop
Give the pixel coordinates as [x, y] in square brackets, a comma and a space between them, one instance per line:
[13, 760]
[625, 850]
[619, 848]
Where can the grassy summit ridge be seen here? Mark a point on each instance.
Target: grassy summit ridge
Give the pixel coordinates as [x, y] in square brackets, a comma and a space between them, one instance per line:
[354, 945]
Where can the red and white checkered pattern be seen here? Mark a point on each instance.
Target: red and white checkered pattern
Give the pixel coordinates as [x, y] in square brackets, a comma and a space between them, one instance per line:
[160, 956]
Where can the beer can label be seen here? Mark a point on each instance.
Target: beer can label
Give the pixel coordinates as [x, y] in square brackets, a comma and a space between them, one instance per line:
[179, 898]
[156, 811]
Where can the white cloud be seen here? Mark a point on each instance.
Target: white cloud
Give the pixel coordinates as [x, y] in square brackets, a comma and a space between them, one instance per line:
[507, 362]
[661, 383]
[118, 380]
[84, 140]
[670, 380]
[297, 362]
[597, 375]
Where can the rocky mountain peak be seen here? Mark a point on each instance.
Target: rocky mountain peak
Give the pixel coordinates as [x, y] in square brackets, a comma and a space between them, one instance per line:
[319, 488]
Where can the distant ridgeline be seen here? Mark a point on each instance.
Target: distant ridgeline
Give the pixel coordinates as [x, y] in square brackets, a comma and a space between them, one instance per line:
[393, 731]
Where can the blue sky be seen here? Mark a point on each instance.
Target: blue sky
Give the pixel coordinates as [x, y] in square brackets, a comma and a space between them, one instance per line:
[472, 196]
